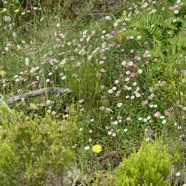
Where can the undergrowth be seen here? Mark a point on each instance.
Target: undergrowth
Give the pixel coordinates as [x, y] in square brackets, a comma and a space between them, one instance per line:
[126, 71]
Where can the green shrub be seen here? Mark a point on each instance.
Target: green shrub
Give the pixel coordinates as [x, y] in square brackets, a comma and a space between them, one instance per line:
[150, 166]
[34, 151]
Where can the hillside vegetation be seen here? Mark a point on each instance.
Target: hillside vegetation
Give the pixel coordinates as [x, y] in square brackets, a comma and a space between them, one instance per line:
[92, 93]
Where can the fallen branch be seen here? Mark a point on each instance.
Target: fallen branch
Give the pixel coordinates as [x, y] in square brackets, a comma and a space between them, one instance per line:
[38, 92]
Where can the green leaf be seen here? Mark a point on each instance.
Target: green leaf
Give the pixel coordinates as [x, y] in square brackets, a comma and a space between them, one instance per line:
[33, 106]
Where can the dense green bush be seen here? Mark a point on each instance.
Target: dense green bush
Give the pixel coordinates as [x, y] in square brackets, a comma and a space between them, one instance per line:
[150, 166]
[34, 151]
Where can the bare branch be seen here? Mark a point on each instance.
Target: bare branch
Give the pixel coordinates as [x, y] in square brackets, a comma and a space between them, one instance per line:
[38, 92]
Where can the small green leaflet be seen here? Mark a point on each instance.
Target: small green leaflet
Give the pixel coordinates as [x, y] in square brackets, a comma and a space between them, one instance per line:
[33, 106]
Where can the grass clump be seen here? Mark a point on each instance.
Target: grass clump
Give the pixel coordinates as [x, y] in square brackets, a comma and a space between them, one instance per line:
[34, 151]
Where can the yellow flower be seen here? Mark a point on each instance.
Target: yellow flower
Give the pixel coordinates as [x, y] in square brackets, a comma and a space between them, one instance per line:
[2, 72]
[97, 148]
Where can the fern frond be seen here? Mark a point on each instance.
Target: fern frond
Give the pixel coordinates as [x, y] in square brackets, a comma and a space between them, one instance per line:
[151, 23]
